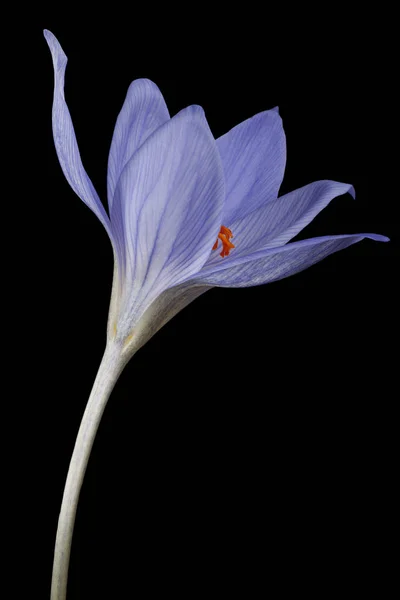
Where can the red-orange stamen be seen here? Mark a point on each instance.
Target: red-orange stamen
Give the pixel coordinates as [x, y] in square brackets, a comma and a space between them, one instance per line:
[224, 235]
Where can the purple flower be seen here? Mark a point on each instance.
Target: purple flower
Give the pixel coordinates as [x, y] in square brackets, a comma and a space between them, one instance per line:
[175, 194]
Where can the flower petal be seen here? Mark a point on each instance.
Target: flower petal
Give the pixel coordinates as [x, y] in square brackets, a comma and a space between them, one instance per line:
[275, 223]
[168, 205]
[270, 265]
[254, 157]
[65, 140]
[162, 309]
[143, 111]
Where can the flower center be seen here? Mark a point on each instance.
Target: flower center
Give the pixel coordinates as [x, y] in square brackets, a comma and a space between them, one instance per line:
[224, 235]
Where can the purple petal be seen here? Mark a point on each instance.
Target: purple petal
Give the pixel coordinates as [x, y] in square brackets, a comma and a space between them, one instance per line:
[168, 204]
[253, 156]
[275, 223]
[270, 265]
[65, 140]
[144, 110]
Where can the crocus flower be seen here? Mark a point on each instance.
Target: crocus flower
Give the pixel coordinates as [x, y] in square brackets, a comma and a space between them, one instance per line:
[186, 213]
[173, 191]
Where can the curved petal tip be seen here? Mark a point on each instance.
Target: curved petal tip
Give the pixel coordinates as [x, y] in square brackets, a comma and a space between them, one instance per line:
[378, 238]
[194, 110]
[352, 191]
[59, 57]
[50, 38]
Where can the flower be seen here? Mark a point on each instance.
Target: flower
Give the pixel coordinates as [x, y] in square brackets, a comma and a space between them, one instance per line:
[177, 197]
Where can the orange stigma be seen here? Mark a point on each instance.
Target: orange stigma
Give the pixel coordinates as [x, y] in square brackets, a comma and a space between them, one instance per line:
[224, 235]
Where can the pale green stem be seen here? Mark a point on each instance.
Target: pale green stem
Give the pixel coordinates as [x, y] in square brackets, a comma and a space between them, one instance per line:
[110, 368]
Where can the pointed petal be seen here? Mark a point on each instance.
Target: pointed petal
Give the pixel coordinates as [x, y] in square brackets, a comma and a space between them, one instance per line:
[65, 140]
[254, 157]
[275, 223]
[143, 111]
[270, 265]
[168, 203]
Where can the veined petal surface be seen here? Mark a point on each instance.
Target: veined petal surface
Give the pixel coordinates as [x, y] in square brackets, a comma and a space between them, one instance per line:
[168, 206]
[143, 111]
[161, 310]
[65, 139]
[254, 158]
[272, 264]
[275, 223]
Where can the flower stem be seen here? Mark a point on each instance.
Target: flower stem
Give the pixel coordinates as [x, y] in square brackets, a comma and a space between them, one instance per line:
[110, 368]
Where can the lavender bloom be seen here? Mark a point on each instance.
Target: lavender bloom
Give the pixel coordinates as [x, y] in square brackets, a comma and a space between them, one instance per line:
[171, 187]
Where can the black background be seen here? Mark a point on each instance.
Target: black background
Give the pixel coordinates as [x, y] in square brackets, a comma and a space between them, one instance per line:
[245, 445]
